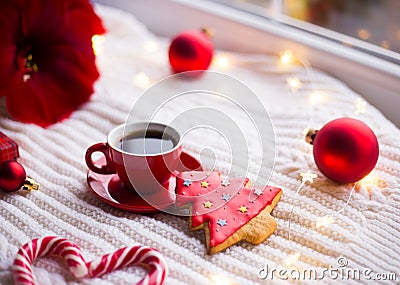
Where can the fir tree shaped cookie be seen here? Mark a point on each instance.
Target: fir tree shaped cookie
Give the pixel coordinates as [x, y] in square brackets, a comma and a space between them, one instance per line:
[227, 209]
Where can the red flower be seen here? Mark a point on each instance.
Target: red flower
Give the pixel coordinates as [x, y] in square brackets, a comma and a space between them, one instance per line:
[47, 64]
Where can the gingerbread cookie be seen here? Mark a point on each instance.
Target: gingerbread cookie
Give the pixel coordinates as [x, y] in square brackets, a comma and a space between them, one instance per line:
[227, 209]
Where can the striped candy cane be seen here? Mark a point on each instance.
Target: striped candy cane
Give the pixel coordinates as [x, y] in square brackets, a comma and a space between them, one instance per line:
[135, 255]
[154, 261]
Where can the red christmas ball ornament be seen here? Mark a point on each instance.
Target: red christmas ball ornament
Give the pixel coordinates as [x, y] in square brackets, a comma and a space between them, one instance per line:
[345, 150]
[191, 50]
[12, 175]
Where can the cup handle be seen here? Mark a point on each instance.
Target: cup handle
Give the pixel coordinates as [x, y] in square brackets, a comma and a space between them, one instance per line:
[107, 168]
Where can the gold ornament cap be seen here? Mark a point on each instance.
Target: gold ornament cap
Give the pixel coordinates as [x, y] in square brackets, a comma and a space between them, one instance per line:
[208, 32]
[30, 184]
[310, 136]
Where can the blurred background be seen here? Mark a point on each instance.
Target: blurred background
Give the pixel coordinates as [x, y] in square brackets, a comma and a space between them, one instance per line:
[373, 21]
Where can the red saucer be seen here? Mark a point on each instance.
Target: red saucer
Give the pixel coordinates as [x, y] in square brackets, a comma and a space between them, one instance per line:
[111, 190]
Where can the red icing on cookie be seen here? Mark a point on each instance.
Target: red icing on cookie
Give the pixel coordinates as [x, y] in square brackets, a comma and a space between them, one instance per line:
[226, 204]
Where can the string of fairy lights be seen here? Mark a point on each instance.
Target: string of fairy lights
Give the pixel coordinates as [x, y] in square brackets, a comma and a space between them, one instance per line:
[287, 57]
[223, 61]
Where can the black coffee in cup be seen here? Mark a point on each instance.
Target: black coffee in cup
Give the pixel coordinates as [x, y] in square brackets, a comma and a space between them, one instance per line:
[149, 142]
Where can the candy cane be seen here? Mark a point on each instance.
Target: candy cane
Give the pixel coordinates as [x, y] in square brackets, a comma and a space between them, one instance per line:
[135, 255]
[28, 253]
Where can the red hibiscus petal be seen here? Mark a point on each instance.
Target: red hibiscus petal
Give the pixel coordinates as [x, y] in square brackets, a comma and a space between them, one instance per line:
[9, 23]
[42, 105]
[81, 14]
[64, 81]
[58, 36]
[10, 28]
[8, 68]
[43, 21]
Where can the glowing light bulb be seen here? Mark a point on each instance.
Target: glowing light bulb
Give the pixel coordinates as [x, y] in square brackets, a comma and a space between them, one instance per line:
[286, 56]
[291, 259]
[98, 44]
[371, 181]
[294, 83]
[221, 61]
[308, 176]
[385, 44]
[151, 46]
[324, 221]
[364, 34]
[219, 279]
[360, 106]
[317, 97]
[371, 178]
[141, 80]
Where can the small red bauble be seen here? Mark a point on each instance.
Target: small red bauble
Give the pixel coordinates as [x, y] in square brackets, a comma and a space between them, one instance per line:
[190, 50]
[345, 150]
[12, 176]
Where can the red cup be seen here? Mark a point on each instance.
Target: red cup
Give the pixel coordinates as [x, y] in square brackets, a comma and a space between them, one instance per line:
[147, 174]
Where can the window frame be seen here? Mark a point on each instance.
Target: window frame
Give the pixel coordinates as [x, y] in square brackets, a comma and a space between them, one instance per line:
[277, 16]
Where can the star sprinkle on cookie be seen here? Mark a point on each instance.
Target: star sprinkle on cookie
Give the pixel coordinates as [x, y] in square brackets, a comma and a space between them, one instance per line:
[238, 213]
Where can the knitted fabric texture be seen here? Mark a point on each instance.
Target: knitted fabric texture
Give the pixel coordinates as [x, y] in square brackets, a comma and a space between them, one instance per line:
[367, 232]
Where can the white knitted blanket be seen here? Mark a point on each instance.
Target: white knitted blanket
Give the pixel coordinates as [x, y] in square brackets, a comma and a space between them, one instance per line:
[367, 232]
